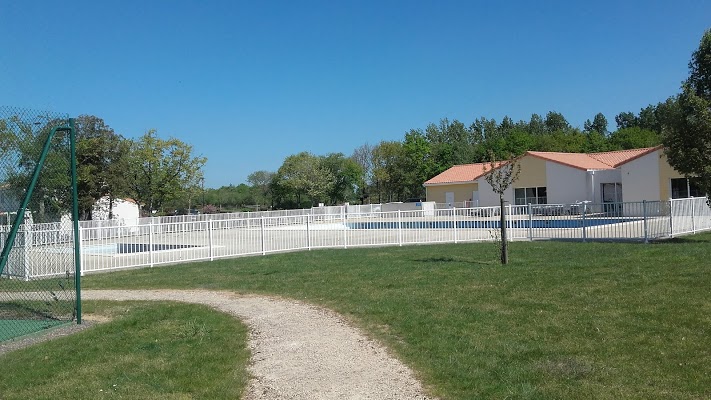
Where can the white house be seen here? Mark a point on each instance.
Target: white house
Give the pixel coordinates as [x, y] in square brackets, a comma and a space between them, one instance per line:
[564, 178]
[125, 210]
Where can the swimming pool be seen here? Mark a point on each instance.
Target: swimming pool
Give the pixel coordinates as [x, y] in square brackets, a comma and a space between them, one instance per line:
[519, 223]
[129, 248]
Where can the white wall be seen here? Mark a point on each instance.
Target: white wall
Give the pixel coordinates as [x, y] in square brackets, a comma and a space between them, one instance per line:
[640, 178]
[487, 197]
[596, 178]
[122, 210]
[565, 184]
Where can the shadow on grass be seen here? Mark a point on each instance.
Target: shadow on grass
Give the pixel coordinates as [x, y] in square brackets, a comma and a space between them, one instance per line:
[686, 239]
[456, 260]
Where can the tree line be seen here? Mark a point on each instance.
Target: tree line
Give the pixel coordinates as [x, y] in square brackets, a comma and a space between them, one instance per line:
[161, 175]
[395, 170]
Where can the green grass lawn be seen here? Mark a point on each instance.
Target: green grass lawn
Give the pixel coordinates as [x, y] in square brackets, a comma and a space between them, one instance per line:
[147, 351]
[563, 320]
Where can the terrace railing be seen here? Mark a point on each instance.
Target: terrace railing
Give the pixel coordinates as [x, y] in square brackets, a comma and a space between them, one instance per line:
[146, 242]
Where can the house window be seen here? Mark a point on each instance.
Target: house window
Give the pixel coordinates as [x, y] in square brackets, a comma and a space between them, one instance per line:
[534, 195]
[682, 188]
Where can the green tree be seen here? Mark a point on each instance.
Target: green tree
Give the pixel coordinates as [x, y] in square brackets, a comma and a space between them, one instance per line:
[388, 171]
[102, 162]
[648, 119]
[417, 163]
[161, 171]
[626, 120]
[346, 173]
[260, 182]
[536, 126]
[598, 124]
[304, 176]
[22, 143]
[555, 121]
[686, 120]
[500, 175]
[633, 137]
[363, 156]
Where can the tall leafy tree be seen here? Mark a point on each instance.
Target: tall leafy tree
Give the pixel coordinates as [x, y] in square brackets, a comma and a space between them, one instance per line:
[260, 182]
[346, 174]
[22, 144]
[363, 156]
[625, 120]
[417, 163]
[536, 126]
[633, 137]
[388, 171]
[102, 159]
[686, 120]
[304, 177]
[555, 121]
[598, 124]
[161, 170]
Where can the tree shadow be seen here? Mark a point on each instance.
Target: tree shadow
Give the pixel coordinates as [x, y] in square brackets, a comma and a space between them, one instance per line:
[455, 260]
[684, 239]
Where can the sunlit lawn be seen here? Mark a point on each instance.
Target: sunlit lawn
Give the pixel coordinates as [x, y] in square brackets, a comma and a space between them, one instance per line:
[563, 320]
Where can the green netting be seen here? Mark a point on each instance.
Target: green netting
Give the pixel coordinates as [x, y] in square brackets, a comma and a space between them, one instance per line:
[32, 295]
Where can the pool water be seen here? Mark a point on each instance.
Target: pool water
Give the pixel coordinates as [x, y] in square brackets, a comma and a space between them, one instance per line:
[129, 248]
[536, 223]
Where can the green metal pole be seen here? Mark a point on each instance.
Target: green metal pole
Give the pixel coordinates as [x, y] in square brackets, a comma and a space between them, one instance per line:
[75, 218]
[21, 212]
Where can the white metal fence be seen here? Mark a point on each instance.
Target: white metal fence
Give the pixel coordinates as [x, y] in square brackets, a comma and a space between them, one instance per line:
[111, 245]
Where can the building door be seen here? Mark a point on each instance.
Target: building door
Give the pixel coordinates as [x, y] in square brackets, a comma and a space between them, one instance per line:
[612, 197]
[475, 199]
[449, 198]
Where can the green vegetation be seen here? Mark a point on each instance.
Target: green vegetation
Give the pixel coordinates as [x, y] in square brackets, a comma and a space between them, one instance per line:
[563, 320]
[148, 350]
[686, 120]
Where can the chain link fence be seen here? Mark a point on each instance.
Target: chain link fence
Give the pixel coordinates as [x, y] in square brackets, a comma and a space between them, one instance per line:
[36, 228]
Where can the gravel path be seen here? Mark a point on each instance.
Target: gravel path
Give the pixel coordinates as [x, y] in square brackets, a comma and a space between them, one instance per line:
[299, 351]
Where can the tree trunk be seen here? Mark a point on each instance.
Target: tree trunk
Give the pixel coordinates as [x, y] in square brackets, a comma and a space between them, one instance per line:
[504, 241]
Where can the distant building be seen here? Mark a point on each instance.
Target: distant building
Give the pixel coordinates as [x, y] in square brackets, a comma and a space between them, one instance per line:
[9, 203]
[125, 210]
[563, 178]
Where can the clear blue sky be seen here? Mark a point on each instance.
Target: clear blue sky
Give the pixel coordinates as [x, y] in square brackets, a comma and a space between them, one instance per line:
[248, 83]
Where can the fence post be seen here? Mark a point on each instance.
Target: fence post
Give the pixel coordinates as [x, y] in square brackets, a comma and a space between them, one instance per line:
[454, 221]
[644, 219]
[509, 214]
[150, 242]
[209, 235]
[26, 251]
[345, 236]
[693, 223]
[399, 227]
[261, 228]
[585, 211]
[530, 222]
[308, 231]
[81, 254]
[671, 218]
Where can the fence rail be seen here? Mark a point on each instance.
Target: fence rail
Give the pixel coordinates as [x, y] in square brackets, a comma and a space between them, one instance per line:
[145, 242]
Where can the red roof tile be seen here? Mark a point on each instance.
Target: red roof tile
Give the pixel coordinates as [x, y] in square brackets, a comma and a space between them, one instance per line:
[617, 158]
[592, 161]
[575, 160]
[459, 174]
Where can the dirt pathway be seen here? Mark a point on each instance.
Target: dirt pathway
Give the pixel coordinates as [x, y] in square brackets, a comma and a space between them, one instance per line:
[299, 351]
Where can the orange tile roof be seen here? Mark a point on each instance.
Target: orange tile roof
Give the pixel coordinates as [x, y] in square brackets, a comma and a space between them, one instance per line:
[585, 161]
[617, 158]
[458, 174]
[575, 160]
